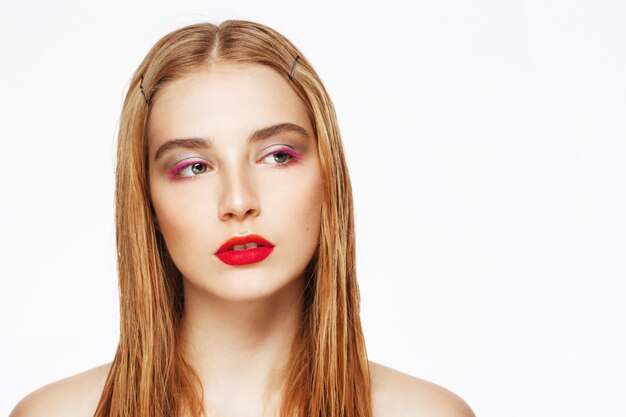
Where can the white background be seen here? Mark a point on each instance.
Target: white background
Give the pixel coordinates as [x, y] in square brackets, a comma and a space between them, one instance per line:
[487, 147]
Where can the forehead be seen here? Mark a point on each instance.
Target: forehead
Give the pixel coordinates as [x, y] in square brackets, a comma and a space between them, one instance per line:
[225, 101]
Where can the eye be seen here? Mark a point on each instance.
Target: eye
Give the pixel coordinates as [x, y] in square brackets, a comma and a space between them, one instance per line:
[188, 169]
[193, 169]
[282, 156]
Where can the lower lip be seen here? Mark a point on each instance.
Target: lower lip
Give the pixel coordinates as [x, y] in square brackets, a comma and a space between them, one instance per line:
[244, 257]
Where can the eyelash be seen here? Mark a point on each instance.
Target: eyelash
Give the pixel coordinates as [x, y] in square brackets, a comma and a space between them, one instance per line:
[293, 156]
[180, 167]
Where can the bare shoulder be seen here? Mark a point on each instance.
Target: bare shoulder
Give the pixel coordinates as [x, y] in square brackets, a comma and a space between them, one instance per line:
[75, 396]
[395, 394]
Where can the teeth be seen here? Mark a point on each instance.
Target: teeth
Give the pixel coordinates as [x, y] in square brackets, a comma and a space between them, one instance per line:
[246, 246]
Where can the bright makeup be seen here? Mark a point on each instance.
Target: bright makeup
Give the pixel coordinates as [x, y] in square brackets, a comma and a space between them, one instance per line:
[243, 250]
[294, 156]
[178, 168]
[199, 166]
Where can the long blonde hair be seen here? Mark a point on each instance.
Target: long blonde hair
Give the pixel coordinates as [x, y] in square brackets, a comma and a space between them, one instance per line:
[328, 369]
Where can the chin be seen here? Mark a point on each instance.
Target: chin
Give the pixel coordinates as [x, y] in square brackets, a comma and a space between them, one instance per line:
[247, 286]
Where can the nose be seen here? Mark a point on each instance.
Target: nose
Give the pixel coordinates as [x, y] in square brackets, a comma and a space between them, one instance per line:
[238, 200]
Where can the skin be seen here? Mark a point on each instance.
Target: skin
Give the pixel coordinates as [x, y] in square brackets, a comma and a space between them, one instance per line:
[238, 320]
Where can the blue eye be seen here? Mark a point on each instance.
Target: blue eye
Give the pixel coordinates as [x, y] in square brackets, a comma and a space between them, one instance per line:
[282, 156]
[193, 169]
[277, 157]
[188, 169]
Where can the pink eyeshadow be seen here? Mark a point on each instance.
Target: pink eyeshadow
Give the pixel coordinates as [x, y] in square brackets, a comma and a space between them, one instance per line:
[172, 173]
[296, 155]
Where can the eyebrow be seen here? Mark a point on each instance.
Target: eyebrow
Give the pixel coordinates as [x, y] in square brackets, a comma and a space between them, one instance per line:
[206, 143]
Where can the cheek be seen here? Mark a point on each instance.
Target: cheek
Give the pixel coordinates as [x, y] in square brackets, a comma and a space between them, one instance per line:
[181, 217]
[311, 208]
[295, 206]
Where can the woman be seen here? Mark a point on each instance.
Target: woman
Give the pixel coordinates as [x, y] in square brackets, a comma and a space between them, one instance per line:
[235, 247]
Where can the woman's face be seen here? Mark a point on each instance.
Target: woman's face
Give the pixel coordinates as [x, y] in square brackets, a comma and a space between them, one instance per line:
[231, 155]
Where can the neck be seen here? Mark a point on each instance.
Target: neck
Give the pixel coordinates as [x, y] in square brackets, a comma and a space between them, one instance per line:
[239, 349]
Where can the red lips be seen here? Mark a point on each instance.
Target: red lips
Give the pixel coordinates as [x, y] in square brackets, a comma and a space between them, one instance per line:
[231, 256]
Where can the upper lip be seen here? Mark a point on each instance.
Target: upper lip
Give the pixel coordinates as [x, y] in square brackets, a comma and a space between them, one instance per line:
[243, 240]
